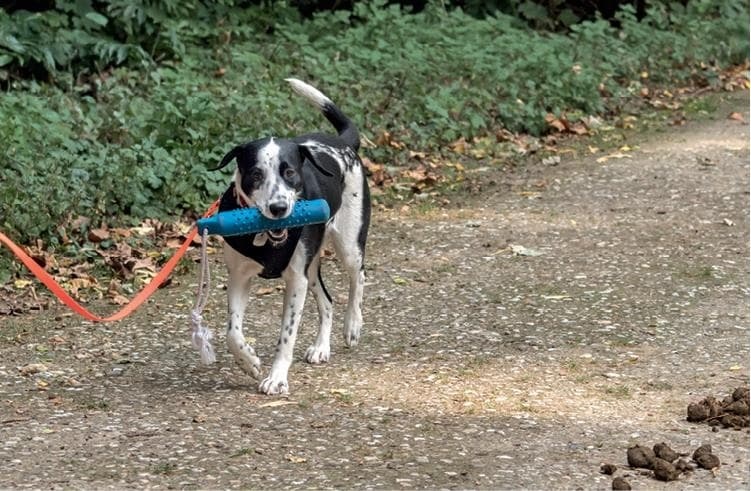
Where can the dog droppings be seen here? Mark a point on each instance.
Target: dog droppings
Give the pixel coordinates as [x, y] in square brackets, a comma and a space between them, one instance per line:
[639, 456]
[731, 412]
[708, 461]
[665, 463]
[663, 451]
[619, 483]
[706, 448]
[664, 470]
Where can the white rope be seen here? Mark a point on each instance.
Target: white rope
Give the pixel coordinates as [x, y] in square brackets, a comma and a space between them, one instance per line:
[201, 333]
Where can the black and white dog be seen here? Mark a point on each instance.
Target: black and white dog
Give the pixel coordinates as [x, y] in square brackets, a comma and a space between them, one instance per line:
[272, 173]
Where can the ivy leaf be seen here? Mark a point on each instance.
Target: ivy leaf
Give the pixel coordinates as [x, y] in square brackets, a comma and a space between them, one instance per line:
[97, 18]
[12, 43]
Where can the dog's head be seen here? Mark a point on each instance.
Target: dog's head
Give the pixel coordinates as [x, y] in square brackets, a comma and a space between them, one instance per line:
[269, 174]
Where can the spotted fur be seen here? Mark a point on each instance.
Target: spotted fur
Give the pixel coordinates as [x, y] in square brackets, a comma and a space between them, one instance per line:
[272, 174]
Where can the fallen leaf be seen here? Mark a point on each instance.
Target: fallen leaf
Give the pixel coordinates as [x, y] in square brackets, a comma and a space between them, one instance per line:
[57, 340]
[736, 116]
[21, 284]
[459, 146]
[377, 173]
[97, 235]
[267, 290]
[520, 250]
[55, 400]
[32, 368]
[617, 155]
[118, 299]
[554, 122]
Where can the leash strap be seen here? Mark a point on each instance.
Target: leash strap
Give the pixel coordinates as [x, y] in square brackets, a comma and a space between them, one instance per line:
[202, 335]
[136, 302]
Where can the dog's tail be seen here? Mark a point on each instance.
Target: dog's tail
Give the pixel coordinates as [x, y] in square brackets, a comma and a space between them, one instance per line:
[346, 128]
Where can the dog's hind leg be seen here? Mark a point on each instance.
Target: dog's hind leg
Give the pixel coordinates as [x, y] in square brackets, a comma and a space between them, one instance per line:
[320, 351]
[351, 257]
[240, 272]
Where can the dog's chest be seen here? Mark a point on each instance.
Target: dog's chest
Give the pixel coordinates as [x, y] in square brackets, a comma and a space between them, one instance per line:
[273, 259]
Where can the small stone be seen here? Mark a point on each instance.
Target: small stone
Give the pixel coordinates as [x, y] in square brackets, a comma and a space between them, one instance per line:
[621, 483]
[663, 451]
[664, 470]
[706, 448]
[708, 461]
[608, 469]
[639, 456]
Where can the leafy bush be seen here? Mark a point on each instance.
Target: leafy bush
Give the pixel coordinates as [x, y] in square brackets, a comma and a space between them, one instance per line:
[135, 141]
[81, 35]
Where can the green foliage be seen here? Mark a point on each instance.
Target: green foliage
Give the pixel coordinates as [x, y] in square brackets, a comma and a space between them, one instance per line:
[81, 35]
[135, 142]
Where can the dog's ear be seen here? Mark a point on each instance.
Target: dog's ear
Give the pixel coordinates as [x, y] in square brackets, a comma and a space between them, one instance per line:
[306, 154]
[232, 155]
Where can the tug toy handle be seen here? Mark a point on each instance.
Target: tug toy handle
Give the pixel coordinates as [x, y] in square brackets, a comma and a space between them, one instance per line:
[250, 220]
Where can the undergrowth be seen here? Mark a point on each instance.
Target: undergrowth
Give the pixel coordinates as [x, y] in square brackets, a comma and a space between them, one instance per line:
[138, 104]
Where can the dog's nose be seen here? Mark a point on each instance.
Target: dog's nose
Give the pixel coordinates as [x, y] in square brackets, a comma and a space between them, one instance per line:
[278, 208]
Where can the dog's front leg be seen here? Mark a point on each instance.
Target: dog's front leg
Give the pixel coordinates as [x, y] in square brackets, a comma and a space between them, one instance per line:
[294, 301]
[240, 273]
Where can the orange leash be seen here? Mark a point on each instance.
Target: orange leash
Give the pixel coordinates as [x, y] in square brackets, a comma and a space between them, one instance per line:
[136, 302]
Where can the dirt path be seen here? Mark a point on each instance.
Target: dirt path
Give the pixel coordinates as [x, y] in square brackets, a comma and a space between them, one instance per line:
[479, 368]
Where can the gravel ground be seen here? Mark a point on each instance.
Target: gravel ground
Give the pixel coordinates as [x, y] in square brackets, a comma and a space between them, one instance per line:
[555, 318]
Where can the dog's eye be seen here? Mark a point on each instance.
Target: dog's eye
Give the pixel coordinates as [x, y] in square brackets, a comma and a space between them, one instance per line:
[289, 173]
[256, 175]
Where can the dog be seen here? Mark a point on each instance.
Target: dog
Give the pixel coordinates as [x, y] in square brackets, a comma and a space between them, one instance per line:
[272, 174]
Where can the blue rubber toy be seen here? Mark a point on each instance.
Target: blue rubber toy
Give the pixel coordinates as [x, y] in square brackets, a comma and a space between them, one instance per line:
[250, 221]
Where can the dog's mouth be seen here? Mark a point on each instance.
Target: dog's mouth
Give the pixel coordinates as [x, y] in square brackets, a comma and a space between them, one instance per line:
[278, 236]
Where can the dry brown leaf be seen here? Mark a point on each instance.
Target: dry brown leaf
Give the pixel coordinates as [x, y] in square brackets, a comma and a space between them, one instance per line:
[146, 263]
[378, 173]
[32, 368]
[555, 123]
[266, 290]
[118, 299]
[736, 116]
[97, 235]
[459, 146]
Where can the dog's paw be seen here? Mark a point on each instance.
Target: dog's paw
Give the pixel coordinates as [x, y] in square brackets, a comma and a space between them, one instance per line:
[318, 354]
[352, 335]
[273, 385]
[249, 362]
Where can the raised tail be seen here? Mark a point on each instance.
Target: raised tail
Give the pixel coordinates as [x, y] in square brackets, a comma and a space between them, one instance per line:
[344, 126]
